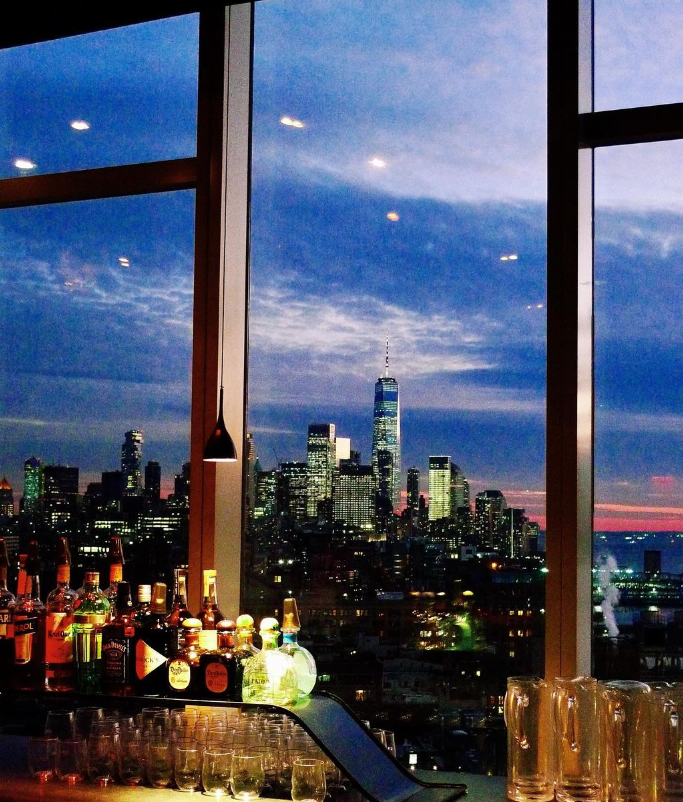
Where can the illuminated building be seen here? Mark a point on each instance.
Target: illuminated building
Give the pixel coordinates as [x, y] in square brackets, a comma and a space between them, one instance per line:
[354, 496]
[342, 449]
[6, 499]
[181, 487]
[488, 510]
[321, 460]
[33, 483]
[439, 487]
[266, 494]
[386, 436]
[512, 532]
[294, 489]
[131, 461]
[153, 481]
[413, 500]
[460, 490]
[60, 491]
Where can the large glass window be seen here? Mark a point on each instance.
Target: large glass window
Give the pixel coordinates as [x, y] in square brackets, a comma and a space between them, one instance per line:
[399, 194]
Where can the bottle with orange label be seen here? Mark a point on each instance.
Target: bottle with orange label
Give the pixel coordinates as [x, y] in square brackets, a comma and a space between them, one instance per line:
[182, 669]
[7, 603]
[60, 672]
[29, 628]
[217, 666]
[154, 643]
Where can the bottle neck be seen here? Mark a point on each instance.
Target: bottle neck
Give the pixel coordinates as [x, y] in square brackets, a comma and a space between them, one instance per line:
[32, 587]
[269, 641]
[245, 639]
[92, 587]
[290, 637]
[180, 593]
[210, 600]
[63, 576]
[3, 577]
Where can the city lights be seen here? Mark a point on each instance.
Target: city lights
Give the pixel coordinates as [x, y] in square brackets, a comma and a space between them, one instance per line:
[291, 122]
[80, 125]
[377, 162]
[393, 216]
[124, 261]
[509, 257]
[24, 164]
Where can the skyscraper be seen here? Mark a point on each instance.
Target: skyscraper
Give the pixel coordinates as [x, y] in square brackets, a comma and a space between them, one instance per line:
[294, 489]
[6, 499]
[131, 462]
[153, 481]
[266, 494]
[321, 459]
[354, 496]
[439, 487]
[386, 436]
[413, 500]
[488, 512]
[460, 490]
[33, 483]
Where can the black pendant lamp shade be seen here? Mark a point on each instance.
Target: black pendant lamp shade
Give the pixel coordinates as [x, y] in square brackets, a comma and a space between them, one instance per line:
[219, 447]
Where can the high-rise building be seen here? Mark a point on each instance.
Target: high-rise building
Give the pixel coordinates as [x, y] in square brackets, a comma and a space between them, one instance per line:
[321, 460]
[354, 496]
[342, 446]
[131, 463]
[294, 489]
[386, 435]
[460, 490]
[413, 499]
[60, 493]
[181, 485]
[266, 494]
[439, 487]
[6, 499]
[488, 511]
[33, 483]
[112, 488]
[153, 481]
[512, 532]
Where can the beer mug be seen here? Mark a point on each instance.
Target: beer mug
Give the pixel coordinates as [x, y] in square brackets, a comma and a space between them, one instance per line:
[628, 757]
[577, 740]
[666, 742]
[528, 717]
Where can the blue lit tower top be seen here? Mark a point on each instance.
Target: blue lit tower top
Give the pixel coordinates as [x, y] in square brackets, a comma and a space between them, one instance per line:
[386, 436]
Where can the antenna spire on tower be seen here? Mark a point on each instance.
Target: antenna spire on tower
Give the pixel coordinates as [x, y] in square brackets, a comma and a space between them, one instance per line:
[386, 362]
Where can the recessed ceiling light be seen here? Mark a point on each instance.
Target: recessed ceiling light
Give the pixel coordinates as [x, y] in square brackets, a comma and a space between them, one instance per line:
[80, 125]
[24, 164]
[377, 162]
[292, 122]
[393, 216]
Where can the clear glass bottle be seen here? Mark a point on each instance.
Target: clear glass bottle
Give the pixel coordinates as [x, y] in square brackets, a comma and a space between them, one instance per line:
[244, 649]
[182, 668]
[306, 670]
[270, 676]
[153, 646]
[209, 615]
[29, 628]
[179, 610]
[142, 608]
[60, 672]
[117, 644]
[7, 604]
[116, 562]
[91, 613]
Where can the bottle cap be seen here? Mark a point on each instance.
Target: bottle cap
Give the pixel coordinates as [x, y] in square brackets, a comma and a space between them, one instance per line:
[208, 640]
[290, 618]
[226, 625]
[269, 625]
[245, 622]
[159, 598]
[191, 623]
[144, 593]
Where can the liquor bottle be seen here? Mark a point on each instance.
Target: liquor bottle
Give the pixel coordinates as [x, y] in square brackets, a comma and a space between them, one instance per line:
[117, 644]
[182, 669]
[116, 562]
[60, 672]
[21, 576]
[179, 610]
[7, 604]
[209, 615]
[270, 676]
[153, 646]
[29, 628]
[142, 608]
[244, 649]
[306, 670]
[91, 613]
[217, 666]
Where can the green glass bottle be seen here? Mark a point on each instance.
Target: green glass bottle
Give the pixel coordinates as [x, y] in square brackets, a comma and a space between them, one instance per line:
[91, 613]
[270, 676]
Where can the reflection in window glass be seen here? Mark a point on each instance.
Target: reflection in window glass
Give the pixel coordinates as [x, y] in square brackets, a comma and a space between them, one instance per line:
[638, 517]
[638, 58]
[96, 324]
[399, 195]
[125, 95]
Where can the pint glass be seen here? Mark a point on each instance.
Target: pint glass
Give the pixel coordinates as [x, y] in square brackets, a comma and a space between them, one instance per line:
[666, 728]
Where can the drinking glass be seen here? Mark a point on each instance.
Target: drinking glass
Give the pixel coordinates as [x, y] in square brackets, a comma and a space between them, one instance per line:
[85, 716]
[101, 758]
[71, 760]
[308, 780]
[666, 744]
[42, 758]
[248, 777]
[60, 724]
[380, 736]
[131, 758]
[187, 770]
[577, 739]
[628, 766]
[159, 763]
[530, 743]
[216, 771]
[390, 739]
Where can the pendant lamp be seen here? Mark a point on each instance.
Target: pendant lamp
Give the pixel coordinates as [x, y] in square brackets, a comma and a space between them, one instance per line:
[219, 447]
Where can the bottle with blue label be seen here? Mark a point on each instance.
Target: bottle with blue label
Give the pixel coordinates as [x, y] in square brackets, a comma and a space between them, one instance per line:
[306, 670]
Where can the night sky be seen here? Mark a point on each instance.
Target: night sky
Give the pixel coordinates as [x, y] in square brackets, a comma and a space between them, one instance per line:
[451, 97]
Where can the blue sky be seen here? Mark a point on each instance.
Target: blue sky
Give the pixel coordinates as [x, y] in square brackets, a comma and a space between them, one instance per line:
[451, 96]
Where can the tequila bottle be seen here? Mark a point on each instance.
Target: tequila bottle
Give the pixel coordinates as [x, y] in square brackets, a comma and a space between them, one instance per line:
[244, 649]
[217, 665]
[182, 669]
[91, 613]
[209, 615]
[7, 603]
[270, 676]
[29, 628]
[60, 672]
[306, 670]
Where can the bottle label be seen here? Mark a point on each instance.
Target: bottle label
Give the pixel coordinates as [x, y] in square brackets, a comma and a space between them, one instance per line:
[115, 658]
[216, 677]
[115, 573]
[179, 674]
[25, 634]
[90, 620]
[146, 659]
[63, 573]
[59, 638]
[6, 628]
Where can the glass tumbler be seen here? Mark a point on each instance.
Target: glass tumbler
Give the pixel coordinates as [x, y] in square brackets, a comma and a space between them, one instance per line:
[131, 758]
[248, 777]
[71, 760]
[308, 780]
[577, 739]
[627, 755]
[216, 771]
[60, 724]
[101, 759]
[159, 763]
[666, 742]
[187, 766]
[528, 717]
[42, 758]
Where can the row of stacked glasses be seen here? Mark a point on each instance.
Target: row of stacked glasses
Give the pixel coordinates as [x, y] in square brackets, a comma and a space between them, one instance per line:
[247, 753]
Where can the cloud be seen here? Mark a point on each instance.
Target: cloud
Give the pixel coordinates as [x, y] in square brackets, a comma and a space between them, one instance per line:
[22, 421]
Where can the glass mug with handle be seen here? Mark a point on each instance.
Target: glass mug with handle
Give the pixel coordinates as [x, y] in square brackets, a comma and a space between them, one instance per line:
[577, 740]
[666, 726]
[528, 717]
